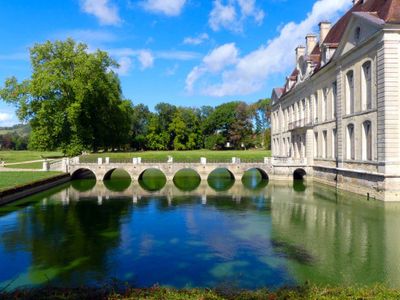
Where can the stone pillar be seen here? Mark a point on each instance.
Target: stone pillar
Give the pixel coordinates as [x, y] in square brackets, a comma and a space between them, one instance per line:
[46, 166]
[135, 160]
[203, 160]
[107, 160]
[100, 161]
[309, 146]
[388, 104]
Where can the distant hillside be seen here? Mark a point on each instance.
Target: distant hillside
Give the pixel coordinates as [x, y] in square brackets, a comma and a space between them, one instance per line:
[20, 129]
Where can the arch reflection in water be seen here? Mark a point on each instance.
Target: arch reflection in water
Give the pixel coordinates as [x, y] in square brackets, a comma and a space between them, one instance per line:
[117, 180]
[187, 180]
[83, 180]
[221, 180]
[152, 180]
[298, 180]
[255, 179]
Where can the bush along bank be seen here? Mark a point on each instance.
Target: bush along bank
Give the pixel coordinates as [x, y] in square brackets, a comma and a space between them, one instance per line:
[304, 292]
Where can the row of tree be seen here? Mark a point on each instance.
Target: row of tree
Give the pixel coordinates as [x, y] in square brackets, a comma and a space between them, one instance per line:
[230, 125]
[73, 102]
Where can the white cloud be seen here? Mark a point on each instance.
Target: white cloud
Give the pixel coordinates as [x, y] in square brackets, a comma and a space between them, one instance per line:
[106, 13]
[233, 14]
[251, 71]
[196, 40]
[146, 59]
[125, 65]
[220, 58]
[5, 117]
[169, 8]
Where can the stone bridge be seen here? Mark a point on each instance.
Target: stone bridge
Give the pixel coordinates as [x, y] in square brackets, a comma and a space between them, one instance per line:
[102, 169]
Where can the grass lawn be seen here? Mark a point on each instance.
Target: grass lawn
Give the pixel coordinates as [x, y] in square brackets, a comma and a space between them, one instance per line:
[10, 179]
[181, 156]
[34, 165]
[19, 156]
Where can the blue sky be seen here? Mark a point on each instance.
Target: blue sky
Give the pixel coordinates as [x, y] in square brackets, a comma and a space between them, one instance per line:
[185, 52]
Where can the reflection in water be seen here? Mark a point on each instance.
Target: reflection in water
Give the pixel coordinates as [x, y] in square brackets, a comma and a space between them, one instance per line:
[248, 238]
[117, 180]
[254, 180]
[83, 185]
[299, 185]
[221, 180]
[187, 180]
[152, 180]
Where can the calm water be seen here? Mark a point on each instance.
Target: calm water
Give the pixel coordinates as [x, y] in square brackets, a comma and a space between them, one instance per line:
[202, 234]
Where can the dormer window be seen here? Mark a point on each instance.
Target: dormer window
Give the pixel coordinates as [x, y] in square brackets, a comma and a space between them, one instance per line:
[357, 34]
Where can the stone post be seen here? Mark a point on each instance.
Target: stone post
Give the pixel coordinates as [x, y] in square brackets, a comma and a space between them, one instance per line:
[46, 166]
[135, 160]
[139, 160]
[100, 161]
[203, 160]
[266, 160]
[170, 159]
[107, 160]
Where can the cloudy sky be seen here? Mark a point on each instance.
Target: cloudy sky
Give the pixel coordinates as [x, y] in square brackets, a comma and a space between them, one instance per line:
[185, 52]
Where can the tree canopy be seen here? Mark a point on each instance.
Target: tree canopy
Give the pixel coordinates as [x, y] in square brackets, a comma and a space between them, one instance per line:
[73, 100]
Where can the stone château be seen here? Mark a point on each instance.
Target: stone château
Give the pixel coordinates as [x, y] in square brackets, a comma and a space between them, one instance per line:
[340, 108]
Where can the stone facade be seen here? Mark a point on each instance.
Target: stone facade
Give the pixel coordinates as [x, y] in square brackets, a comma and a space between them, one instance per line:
[340, 108]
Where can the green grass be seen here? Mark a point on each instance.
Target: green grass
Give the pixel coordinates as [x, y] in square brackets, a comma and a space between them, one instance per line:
[11, 179]
[156, 293]
[181, 156]
[34, 165]
[20, 156]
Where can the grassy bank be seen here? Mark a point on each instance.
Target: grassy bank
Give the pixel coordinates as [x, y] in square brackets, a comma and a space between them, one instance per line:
[12, 179]
[184, 156]
[33, 165]
[21, 156]
[313, 292]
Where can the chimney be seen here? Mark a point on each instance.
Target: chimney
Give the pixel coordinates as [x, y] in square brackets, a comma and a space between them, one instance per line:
[311, 40]
[300, 51]
[324, 28]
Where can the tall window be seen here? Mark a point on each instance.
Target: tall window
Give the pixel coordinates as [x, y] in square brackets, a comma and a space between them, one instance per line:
[315, 107]
[350, 92]
[366, 87]
[308, 110]
[334, 99]
[334, 138]
[324, 107]
[315, 144]
[367, 141]
[350, 145]
[302, 110]
[324, 143]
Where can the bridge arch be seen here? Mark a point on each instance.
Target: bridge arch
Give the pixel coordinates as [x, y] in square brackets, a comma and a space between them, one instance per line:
[152, 179]
[121, 173]
[221, 179]
[83, 173]
[299, 174]
[187, 179]
[262, 172]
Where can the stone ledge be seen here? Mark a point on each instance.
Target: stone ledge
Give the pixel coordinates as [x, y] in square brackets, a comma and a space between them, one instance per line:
[16, 193]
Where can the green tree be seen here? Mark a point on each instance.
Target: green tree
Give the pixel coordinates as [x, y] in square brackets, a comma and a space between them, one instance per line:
[241, 129]
[73, 100]
[141, 116]
[262, 116]
[186, 130]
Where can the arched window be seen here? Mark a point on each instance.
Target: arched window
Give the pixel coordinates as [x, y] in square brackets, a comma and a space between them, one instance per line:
[366, 88]
[367, 141]
[350, 143]
[350, 92]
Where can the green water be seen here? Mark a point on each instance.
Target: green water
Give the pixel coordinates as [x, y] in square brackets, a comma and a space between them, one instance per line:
[248, 234]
